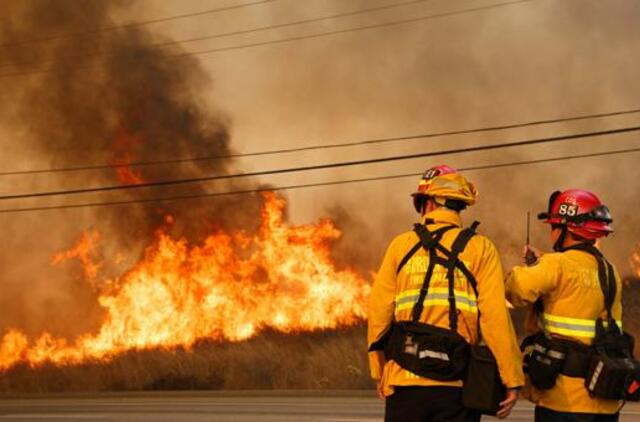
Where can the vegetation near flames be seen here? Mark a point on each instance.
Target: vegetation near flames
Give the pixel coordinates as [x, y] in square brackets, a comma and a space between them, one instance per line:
[230, 287]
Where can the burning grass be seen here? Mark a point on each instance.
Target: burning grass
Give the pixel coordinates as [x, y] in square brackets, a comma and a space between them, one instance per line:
[330, 359]
[323, 359]
[230, 288]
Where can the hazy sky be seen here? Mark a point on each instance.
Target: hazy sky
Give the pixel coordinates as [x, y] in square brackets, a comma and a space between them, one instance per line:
[533, 60]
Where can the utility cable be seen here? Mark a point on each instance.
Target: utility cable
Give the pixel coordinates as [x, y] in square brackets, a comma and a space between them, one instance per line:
[539, 141]
[347, 30]
[301, 37]
[321, 147]
[256, 29]
[132, 25]
[311, 185]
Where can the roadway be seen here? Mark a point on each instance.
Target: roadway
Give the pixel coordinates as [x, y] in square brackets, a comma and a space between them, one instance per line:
[351, 406]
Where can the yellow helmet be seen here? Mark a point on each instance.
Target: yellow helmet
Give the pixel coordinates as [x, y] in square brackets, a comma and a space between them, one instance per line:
[448, 188]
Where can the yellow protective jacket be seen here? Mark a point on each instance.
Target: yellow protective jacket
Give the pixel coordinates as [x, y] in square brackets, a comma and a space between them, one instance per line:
[397, 294]
[568, 286]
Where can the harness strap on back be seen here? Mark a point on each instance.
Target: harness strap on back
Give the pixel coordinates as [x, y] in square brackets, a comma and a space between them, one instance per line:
[606, 279]
[456, 248]
[430, 241]
[431, 236]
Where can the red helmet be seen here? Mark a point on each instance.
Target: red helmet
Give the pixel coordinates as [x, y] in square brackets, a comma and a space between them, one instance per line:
[580, 211]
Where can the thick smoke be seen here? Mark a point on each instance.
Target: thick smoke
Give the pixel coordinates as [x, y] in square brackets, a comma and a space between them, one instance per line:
[89, 98]
[517, 63]
[522, 62]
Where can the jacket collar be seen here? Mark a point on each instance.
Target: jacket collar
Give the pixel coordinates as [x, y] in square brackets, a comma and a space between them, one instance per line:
[443, 216]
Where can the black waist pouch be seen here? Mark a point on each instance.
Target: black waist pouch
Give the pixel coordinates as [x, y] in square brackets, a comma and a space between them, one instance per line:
[546, 360]
[613, 378]
[427, 350]
[613, 372]
[483, 388]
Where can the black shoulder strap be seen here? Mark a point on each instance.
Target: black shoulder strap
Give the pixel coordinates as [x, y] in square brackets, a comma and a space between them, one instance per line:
[453, 262]
[431, 242]
[606, 278]
[428, 241]
[458, 246]
[408, 256]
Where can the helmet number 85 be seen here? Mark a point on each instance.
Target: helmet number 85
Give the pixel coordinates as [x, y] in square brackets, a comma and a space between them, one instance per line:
[569, 210]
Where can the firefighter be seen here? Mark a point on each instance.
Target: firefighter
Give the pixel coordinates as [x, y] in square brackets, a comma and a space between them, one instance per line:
[408, 287]
[564, 293]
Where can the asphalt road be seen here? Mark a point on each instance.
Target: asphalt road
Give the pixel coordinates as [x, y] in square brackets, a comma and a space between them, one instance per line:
[216, 406]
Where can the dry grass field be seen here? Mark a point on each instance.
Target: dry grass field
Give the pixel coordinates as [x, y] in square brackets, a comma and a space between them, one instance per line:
[319, 360]
[334, 359]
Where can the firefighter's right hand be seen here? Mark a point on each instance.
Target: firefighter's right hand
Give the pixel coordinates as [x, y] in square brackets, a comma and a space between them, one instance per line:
[530, 255]
[508, 403]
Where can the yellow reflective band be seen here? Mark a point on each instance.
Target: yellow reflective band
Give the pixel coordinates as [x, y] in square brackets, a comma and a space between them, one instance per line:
[573, 327]
[437, 296]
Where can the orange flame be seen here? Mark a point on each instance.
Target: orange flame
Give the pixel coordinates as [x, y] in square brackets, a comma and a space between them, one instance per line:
[229, 288]
[84, 250]
[123, 157]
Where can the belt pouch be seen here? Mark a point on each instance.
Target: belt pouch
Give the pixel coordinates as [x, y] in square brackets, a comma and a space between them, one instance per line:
[613, 378]
[483, 388]
[545, 362]
[428, 351]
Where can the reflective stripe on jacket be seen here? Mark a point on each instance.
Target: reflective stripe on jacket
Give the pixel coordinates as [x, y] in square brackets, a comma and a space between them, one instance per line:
[571, 327]
[396, 294]
[568, 285]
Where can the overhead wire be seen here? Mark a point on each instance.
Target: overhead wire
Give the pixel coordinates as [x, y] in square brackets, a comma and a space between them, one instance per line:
[301, 37]
[486, 147]
[310, 185]
[132, 24]
[258, 29]
[322, 146]
[347, 30]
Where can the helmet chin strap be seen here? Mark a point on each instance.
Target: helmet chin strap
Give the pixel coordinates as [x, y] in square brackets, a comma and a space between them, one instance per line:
[559, 245]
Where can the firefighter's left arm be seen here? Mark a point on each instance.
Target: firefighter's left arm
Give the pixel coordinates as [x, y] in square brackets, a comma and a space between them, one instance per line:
[381, 307]
[495, 322]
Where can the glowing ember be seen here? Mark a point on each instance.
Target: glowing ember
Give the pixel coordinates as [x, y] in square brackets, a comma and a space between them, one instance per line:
[229, 288]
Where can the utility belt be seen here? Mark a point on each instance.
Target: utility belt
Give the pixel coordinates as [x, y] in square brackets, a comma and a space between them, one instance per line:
[608, 366]
[609, 369]
[427, 350]
[440, 353]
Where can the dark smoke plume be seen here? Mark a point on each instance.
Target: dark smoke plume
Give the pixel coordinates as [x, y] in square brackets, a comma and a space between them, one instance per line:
[87, 98]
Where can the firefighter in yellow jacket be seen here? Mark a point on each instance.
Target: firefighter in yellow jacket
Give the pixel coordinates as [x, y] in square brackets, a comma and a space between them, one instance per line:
[565, 299]
[410, 287]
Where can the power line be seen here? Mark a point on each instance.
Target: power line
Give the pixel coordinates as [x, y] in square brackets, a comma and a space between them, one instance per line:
[325, 166]
[324, 146]
[133, 24]
[302, 37]
[311, 185]
[262, 28]
[354, 29]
